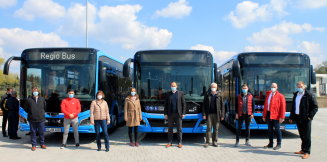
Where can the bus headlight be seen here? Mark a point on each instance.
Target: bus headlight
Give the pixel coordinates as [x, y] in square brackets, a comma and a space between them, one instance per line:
[22, 120]
[85, 121]
[193, 109]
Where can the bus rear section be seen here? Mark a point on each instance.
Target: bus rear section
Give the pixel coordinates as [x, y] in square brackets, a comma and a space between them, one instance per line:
[154, 70]
[259, 70]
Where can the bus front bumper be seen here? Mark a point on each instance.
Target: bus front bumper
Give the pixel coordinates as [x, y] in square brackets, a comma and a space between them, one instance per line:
[155, 123]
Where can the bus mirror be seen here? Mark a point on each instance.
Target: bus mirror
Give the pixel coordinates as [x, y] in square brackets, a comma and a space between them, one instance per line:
[126, 68]
[313, 78]
[7, 64]
[220, 78]
[215, 73]
[102, 72]
[313, 75]
[236, 69]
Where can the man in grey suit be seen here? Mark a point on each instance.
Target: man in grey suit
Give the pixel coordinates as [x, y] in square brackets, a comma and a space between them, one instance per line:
[175, 109]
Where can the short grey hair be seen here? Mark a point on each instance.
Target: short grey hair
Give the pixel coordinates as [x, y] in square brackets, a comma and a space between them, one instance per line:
[213, 84]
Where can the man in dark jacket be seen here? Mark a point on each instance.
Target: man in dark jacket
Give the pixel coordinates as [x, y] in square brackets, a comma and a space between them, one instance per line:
[13, 115]
[304, 108]
[175, 109]
[213, 112]
[35, 108]
[5, 110]
[245, 110]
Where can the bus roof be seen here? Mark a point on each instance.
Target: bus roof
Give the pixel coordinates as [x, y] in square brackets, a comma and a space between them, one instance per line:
[235, 57]
[57, 48]
[171, 50]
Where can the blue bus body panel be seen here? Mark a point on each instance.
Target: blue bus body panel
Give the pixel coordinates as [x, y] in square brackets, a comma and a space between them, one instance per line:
[147, 128]
[81, 128]
[255, 125]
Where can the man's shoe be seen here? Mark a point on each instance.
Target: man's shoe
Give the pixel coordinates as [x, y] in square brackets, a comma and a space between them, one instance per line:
[215, 145]
[236, 144]
[137, 144]
[27, 134]
[179, 145]
[306, 156]
[168, 145]
[299, 152]
[99, 149]
[132, 144]
[5, 135]
[268, 146]
[63, 146]
[43, 147]
[206, 145]
[277, 147]
[33, 148]
[247, 143]
[77, 145]
[107, 149]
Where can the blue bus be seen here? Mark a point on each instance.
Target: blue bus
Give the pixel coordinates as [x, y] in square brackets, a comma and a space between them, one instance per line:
[154, 70]
[259, 70]
[85, 70]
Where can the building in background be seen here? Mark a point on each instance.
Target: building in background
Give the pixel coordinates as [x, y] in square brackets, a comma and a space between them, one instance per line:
[320, 88]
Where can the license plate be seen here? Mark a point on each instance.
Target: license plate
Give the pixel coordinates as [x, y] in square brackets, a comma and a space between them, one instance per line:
[282, 127]
[174, 130]
[53, 129]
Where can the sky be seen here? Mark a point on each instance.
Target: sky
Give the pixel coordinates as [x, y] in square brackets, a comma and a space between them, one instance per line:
[123, 27]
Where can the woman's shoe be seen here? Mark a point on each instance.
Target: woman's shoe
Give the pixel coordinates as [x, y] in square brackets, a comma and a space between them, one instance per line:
[132, 144]
[137, 144]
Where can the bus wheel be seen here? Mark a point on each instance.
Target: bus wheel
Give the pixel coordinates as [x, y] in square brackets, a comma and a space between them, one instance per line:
[113, 123]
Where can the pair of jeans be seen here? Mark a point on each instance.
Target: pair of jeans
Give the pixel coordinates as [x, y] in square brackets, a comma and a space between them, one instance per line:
[67, 123]
[274, 128]
[304, 128]
[212, 123]
[130, 130]
[247, 119]
[174, 118]
[103, 125]
[37, 127]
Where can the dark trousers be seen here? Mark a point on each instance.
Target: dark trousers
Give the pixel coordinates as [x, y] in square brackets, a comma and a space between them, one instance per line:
[130, 133]
[174, 119]
[212, 123]
[103, 125]
[304, 127]
[274, 125]
[39, 128]
[247, 119]
[13, 120]
[4, 122]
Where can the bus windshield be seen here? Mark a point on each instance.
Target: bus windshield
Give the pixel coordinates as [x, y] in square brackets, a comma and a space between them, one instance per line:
[192, 80]
[260, 79]
[55, 79]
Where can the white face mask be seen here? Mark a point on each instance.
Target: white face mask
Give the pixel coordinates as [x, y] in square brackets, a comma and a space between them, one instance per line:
[273, 89]
[213, 89]
[99, 97]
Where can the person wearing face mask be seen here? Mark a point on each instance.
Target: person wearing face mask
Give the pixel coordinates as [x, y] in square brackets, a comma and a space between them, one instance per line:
[132, 116]
[304, 108]
[174, 111]
[100, 117]
[274, 113]
[245, 109]
[213, 112]
[71, 107]
[35, 107]
[4, 109]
